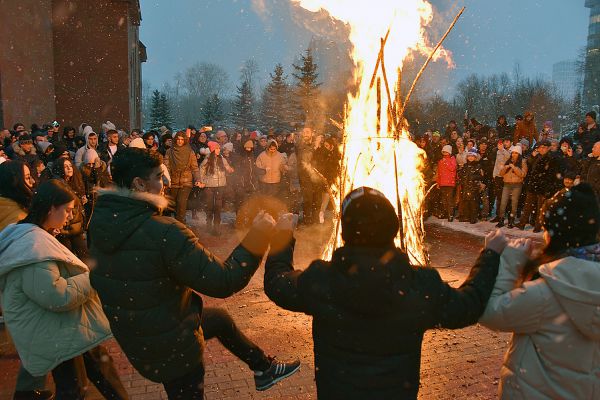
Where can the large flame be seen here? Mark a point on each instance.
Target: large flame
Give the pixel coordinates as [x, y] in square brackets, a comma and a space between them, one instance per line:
[390, 164]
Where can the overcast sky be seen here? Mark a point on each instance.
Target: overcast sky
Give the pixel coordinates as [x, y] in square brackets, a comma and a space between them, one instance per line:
[491, 37]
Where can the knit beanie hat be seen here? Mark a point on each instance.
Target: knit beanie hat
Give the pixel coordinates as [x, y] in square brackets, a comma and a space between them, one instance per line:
[472, 152]
[228, 146]
[368, 219]
[138, 143]
[572, 217]
[212, 146]
[447, 149]
[516, 149]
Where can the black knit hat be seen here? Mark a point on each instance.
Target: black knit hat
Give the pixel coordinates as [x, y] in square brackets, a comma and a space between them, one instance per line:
[368, 219]
[572, 217]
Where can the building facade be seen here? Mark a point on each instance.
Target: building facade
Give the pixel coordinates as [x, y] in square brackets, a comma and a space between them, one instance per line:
[567, 78]
[591, 85]
[70, 60]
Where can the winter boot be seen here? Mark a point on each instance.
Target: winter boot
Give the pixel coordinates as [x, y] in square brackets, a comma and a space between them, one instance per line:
[511, 222]
[277, 371]
[500, 223]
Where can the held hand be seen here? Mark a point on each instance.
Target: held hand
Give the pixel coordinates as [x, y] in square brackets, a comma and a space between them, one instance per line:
[287, 222]
[200, 184]
[524, 245]
[263, 222]
[496, 241]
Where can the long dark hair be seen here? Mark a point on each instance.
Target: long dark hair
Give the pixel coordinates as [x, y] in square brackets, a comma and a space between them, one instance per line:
[213, 162]
[518, 163]
[52, 193]
[76, 181]
[12, 183]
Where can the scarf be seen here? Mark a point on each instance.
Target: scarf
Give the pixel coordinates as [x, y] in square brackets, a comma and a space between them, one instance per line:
[590, 253]
[179, 157]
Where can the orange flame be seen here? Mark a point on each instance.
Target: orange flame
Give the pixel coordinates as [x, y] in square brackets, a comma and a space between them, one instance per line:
[390, 164]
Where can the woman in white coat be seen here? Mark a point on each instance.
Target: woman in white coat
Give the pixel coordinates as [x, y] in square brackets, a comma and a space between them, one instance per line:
[53, 314]
[552, 305]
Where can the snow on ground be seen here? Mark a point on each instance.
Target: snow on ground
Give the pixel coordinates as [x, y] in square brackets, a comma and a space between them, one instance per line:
[481, 229]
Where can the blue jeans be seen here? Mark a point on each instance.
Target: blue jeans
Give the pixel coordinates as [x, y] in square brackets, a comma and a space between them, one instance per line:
[512, 190]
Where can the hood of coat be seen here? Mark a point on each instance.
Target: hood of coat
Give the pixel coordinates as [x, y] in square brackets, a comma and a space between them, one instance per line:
[371, 281]
[574, 282]
[118, 213]
[19, 151]
[26, 244]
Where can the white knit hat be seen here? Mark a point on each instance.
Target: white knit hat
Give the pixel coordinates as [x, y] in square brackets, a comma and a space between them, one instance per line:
[447, 149]
[138, 143]
[516, 149]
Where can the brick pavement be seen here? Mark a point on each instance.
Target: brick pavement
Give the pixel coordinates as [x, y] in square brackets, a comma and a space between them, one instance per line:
[455, 364]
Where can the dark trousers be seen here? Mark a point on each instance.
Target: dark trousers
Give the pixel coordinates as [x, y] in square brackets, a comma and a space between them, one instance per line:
[187, 387]
[498, 187]
[270, 189]
[311, 198]
[180, 196]
[533, 207]
[70, 377]
[470, 209]
[447, 195]
[216, 323]
[214, 203]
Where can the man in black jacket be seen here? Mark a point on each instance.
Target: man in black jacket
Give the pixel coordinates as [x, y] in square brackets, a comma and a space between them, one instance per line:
[543, 182]
[148, 271]
[370, 307]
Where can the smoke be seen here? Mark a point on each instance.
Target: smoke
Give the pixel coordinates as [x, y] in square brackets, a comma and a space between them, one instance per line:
[262, 10]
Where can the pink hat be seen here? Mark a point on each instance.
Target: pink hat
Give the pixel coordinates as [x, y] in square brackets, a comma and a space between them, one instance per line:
[213, 145]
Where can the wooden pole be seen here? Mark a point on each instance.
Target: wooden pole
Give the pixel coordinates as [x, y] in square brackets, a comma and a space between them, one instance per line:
[424, 67]
[378, 128]
[378, 60]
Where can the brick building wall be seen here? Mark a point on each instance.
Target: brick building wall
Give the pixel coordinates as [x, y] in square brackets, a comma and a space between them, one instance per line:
[76, 61]
[26, 62]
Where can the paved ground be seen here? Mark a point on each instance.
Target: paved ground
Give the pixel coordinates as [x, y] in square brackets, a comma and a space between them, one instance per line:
[462, 364]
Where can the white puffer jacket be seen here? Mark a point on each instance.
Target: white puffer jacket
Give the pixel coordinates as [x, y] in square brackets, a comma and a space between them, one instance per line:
[555, 350]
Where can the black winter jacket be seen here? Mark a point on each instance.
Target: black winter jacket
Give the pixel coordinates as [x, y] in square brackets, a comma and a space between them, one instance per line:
[370, 309]
[147, 270]
[470, 176]
[544, 175]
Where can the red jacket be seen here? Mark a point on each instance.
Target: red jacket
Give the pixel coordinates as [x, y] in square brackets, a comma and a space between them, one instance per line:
[446, 175]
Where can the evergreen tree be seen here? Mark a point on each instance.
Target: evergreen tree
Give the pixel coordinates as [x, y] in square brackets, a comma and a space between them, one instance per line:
[243, 114]
[165, 111]
[576, 112]
[307, 88]
[212, 111]
[155, 111]
[275, 112]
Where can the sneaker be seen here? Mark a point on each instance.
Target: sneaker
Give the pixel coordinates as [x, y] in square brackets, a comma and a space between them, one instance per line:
[321, 217]
[276, 372]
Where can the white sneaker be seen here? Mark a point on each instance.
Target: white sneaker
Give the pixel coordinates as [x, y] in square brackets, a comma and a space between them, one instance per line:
[321, 217]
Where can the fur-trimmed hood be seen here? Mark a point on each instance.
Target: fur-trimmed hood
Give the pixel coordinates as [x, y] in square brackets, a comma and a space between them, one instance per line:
[160, 202]
[19, 151]
[119, 213]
